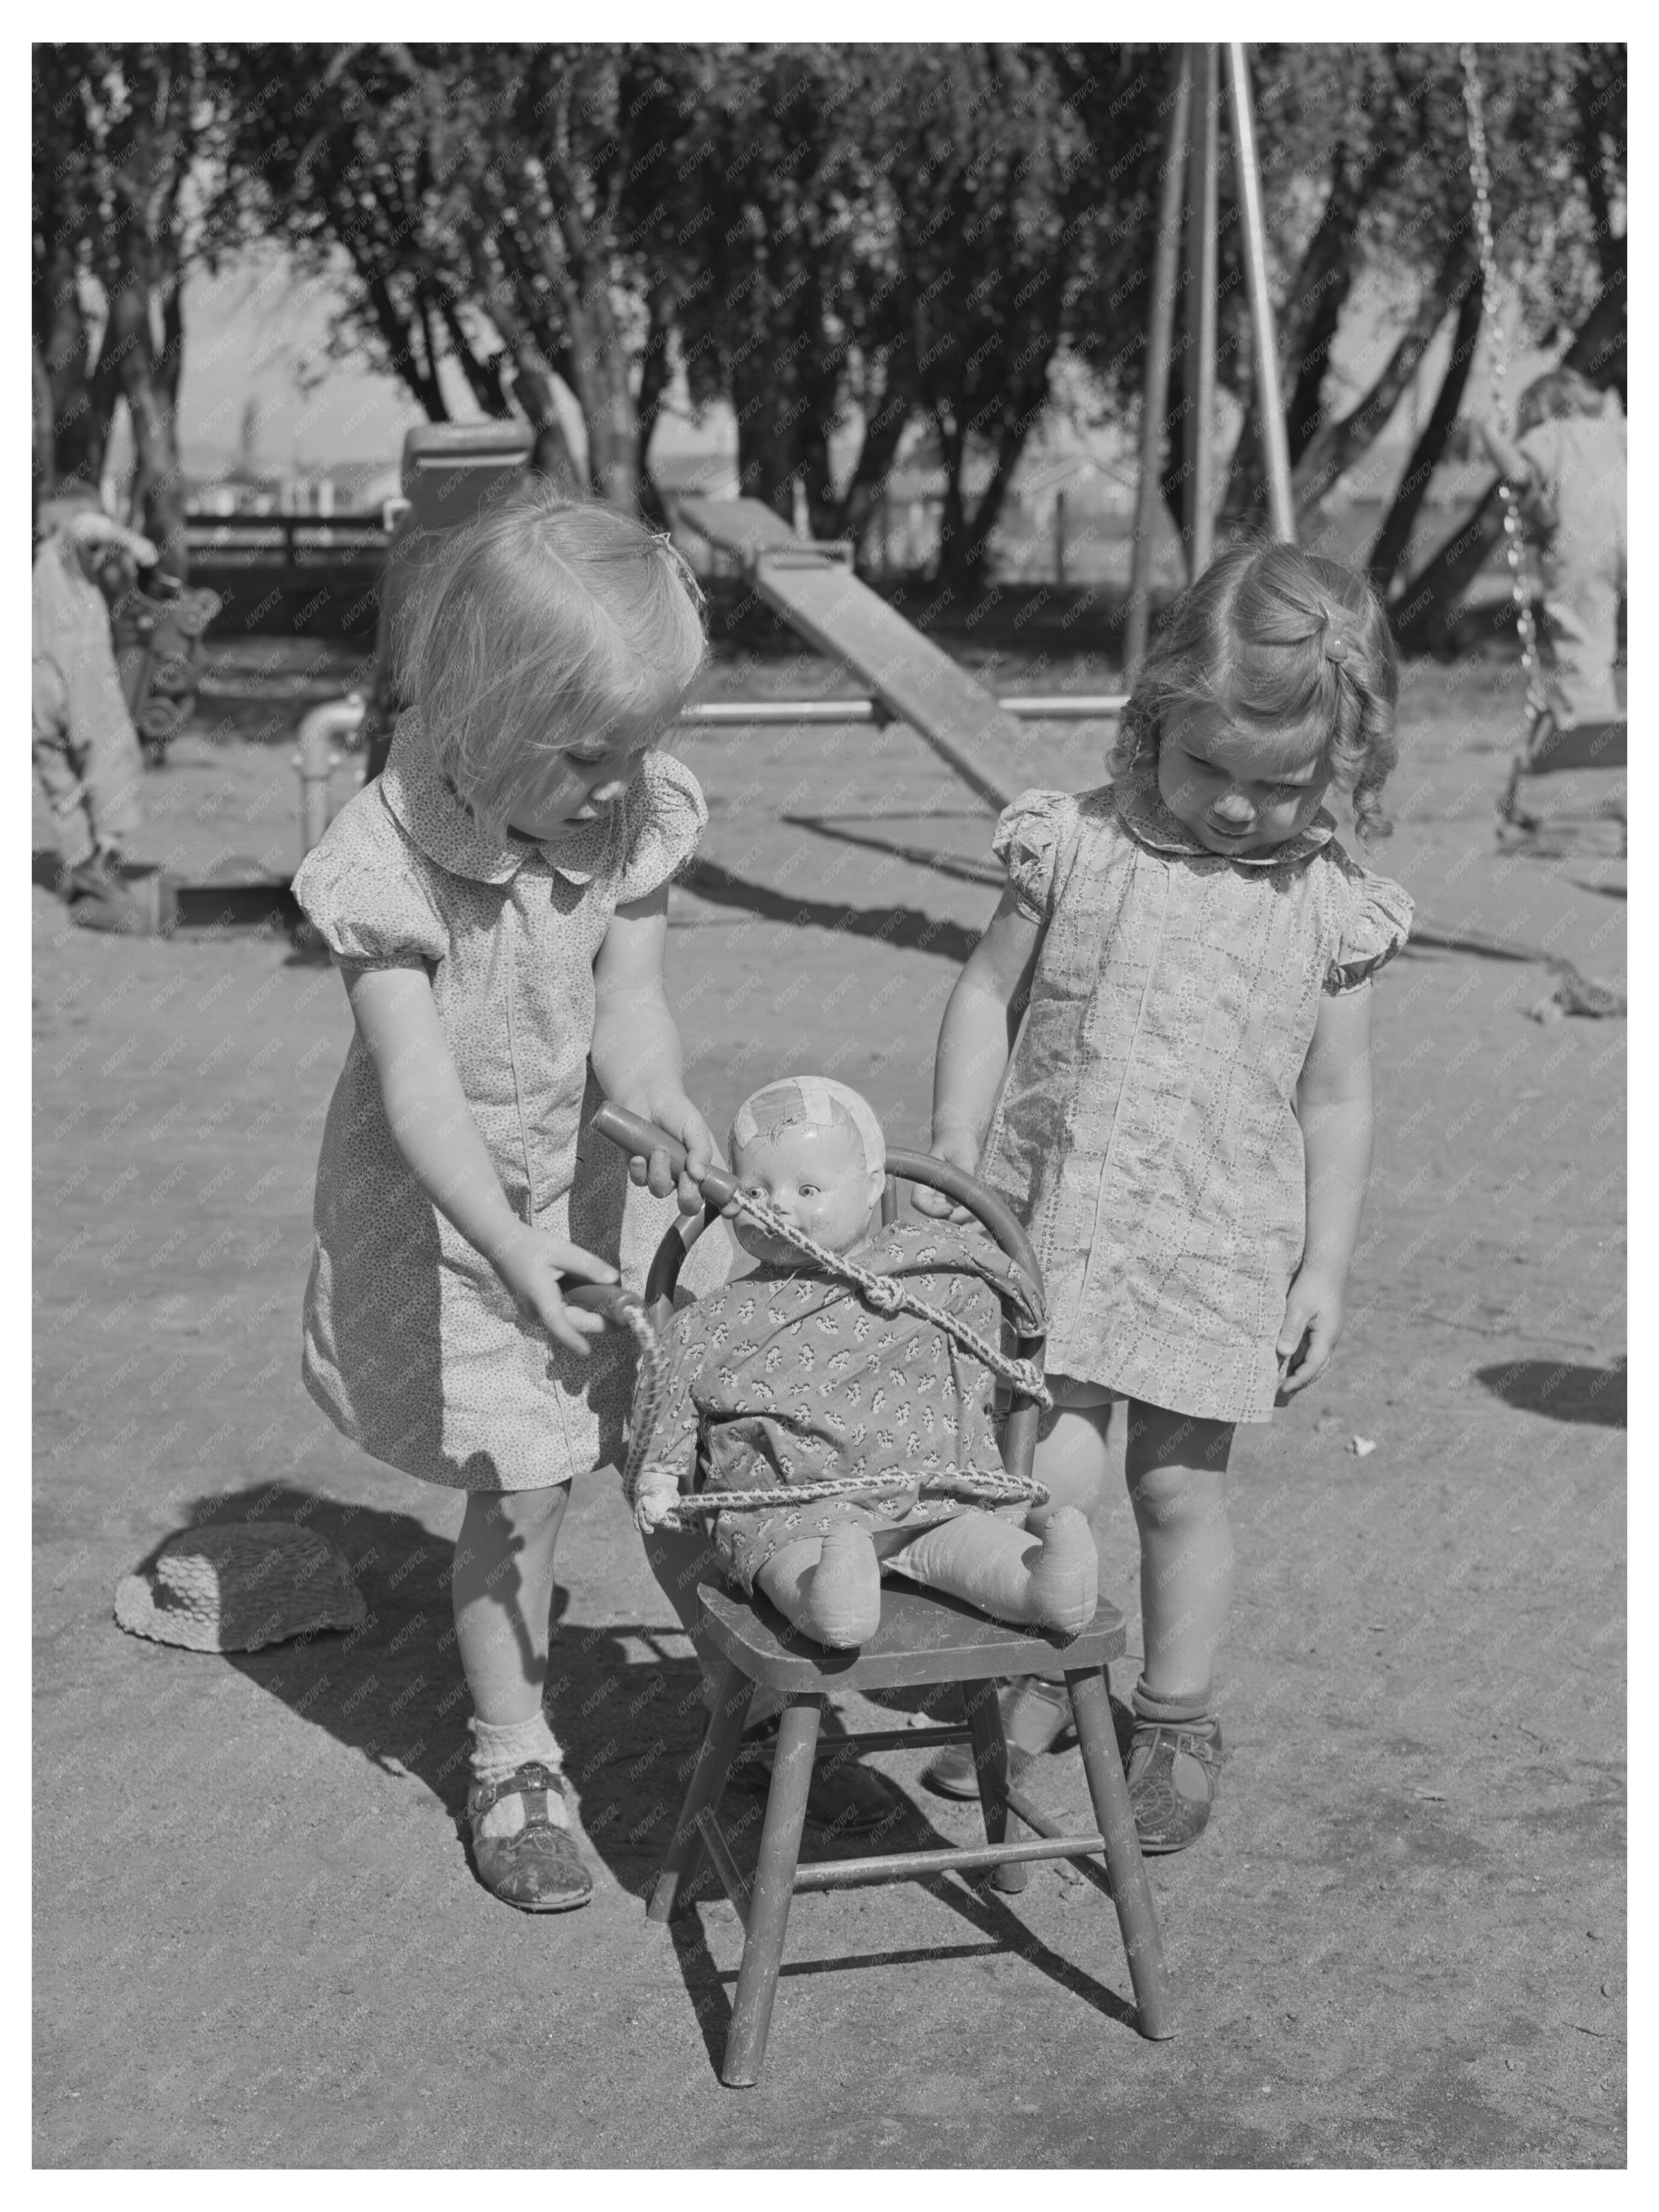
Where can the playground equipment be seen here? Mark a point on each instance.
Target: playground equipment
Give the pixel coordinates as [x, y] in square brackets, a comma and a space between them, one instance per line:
[1545, 748]
[1190, 175]
[923, 1639]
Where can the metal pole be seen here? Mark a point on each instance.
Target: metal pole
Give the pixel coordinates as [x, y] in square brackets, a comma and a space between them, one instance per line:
[1202, 274]
[1060, 537]
[1270, 409]
[1160, 333]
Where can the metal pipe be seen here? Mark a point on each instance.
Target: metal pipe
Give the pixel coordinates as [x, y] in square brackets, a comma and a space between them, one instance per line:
[1202, 274]
[1269, 407]
[1155, 397]
[1033, 707]
[316, 760]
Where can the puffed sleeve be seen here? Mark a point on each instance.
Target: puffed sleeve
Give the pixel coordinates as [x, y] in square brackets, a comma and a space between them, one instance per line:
[1027, 842]
[364, 889]
[664, 817]
[1377, 922]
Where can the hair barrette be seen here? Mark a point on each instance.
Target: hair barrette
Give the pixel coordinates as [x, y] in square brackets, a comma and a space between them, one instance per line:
[1336, 648]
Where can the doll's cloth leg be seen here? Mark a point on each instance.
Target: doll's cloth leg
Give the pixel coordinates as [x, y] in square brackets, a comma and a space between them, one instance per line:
[1051, 1582]
[829, 1586]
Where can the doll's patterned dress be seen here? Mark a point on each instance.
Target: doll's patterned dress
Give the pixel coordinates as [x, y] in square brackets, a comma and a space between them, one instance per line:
[1145, 1130]
[787, 1377]
[412, 1346]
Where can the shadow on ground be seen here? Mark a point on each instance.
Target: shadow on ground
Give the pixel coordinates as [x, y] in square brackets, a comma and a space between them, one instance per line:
[1565, 1391]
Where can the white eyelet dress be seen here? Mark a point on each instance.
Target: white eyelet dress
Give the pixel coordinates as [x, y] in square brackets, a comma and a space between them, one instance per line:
[1145, 1130]
[412, 1346]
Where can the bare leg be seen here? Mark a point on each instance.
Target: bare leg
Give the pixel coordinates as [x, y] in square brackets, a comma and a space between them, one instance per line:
[502, 1592]
[1072, 1456]
[1176, 1469]
[1050, 1582]
[830, 1587]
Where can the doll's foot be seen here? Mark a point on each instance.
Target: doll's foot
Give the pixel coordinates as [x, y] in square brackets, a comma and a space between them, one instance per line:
[1065, 1575]
[842, 1593]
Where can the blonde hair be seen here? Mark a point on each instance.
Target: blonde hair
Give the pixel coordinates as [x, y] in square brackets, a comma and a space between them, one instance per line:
[1282, 639]
[1558, 393]
[546, 624]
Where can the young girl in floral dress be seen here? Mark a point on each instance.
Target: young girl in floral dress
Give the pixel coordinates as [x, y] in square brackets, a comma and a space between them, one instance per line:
[497, 903]
[1184, 1120]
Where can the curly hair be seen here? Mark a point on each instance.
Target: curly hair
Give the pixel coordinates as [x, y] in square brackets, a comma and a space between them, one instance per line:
[1281, 639]
[546, 623]
[1559, 391]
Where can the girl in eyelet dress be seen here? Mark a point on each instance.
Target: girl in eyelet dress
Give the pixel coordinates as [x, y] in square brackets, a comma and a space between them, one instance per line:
[497, 901]
[1184, 1121]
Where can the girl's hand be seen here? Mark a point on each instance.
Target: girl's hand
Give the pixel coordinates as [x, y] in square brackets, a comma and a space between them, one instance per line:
[529, 1263]
[673, 1112]
[961, 1150]
[658, 1493]
[1314, 1315]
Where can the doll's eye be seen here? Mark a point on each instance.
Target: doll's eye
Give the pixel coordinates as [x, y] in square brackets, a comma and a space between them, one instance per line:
[809, 1190]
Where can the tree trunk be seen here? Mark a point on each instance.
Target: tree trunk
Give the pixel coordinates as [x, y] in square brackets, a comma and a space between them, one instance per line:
[1392, 538]
[1422, 615]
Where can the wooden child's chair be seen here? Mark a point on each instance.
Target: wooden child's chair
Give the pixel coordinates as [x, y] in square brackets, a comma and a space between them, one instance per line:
[924, 1639]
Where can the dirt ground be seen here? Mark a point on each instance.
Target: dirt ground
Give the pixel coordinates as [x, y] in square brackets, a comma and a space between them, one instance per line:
[258, 1941]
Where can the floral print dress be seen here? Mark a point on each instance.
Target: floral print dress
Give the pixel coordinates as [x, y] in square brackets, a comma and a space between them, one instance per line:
[412, 1345]
[1145, 1130]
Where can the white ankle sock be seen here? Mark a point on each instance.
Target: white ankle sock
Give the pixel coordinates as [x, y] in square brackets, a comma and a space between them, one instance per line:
[501, 1750]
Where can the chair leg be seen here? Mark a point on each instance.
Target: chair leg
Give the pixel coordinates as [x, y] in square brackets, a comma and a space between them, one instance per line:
[1132, 1894]
[719, 1744]
[991, 1764]
[775, 1882]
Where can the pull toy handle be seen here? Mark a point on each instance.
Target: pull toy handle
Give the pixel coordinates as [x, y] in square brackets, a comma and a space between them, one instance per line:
[639, 1139]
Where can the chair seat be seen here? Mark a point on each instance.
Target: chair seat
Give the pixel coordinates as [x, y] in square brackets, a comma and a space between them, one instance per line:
[923, 1637]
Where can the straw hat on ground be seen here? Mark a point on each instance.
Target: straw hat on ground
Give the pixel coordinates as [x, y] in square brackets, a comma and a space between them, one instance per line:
[235, 1586]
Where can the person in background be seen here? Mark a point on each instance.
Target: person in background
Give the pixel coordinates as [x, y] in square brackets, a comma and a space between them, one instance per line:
[1569, 460]
[85, 751]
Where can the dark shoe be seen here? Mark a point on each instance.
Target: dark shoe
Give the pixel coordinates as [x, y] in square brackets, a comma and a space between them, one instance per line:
[1036, 1716]
[845, 1797]
[1173, 1772]
[538, 1867]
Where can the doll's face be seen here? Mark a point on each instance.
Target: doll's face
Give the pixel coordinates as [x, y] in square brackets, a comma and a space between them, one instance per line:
[814, 1175]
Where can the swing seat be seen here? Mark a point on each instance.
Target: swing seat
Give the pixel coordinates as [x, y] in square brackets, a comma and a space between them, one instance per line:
[924, 1639]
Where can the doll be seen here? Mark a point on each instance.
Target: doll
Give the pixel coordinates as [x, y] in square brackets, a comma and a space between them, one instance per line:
[787, 1377]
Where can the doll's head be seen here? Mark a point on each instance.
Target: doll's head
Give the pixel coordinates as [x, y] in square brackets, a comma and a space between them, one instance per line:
[814, 1151]
[1559, 393]
[548, 647]
[1274, 681]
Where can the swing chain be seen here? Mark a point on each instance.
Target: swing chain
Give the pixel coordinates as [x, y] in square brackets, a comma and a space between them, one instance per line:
[1513, 537]
[886, 1296]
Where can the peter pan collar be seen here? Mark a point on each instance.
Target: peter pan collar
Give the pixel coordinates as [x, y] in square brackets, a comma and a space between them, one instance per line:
[430, 810]
[1150, 822]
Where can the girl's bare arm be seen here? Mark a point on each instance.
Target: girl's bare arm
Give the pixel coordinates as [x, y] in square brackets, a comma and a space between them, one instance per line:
[636, 1046]
[974, 1040]
[1506, 457]
[1333, 1106]
[433, 1127]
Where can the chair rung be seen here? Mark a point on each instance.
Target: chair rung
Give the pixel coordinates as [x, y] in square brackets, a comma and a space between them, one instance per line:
[719, 1856]
[905, 1739]
[906, 1866]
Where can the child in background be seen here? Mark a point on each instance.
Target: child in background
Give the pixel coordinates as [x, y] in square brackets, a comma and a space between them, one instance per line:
[1184, 1122]
[497, 903]
[1569, 458]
